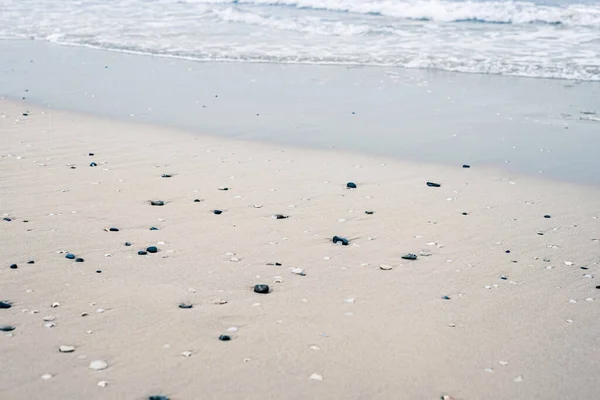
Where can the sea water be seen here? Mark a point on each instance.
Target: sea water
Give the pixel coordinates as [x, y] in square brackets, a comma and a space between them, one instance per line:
[542, 38]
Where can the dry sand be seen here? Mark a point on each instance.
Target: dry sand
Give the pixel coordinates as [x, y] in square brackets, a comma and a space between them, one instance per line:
[369, 333]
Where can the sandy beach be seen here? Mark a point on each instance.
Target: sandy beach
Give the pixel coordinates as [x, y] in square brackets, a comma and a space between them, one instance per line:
[501, 302]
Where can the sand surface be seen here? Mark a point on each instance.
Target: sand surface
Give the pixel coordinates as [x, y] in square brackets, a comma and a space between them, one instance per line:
[368, 333]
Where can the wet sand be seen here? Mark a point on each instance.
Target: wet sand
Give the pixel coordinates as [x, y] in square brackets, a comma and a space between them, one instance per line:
[501, 303]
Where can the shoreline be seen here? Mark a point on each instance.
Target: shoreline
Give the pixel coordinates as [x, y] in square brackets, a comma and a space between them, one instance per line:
[490, 308]
[421, 116]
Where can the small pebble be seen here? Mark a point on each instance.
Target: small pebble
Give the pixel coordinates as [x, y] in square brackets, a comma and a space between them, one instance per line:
[142, 253]
[409, 256]
[186, 354]
[433, 184]
[224, 338]
[30, 262]
[157, 203]
[223, 188]
[127, 244]
[46, 377]
[217, 212]
[369, 212]
[446, 297]
[350, 185]
[5, 305]
[263, 289]
[79, 260]
[66, 349]
[93, 164]
[55, 304]
[280, 216]
[158, 397]
[166, 176]
[316, 377]
[152, 249]
[113, 229]
[7, 328]
[197, 200]
[519, 379]
[153, 228]
[341, 240]
[13, 266]
[466, 166]
[186, 305]
[98, 365]
[547, 216]
[385, 267]
[102, 384]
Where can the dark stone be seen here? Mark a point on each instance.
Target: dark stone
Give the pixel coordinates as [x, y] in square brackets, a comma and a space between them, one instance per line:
[350, 185]
[142, 253]
[6, 328]
[13, 266]
[25, 220]
[7, 219]
[157, 203]
[153, 228]
[70, 256]
[547, 216]
[127, 244]
[369, 212]
[584, 267]
[262, 289]
[30, 262]
[98, 271]
[275, 263]
[409, 256]
[158, 397]
[433, 184]
[186, 305]
[280, 216]
[223, 188]
[91, 154]
[466, 166]
[166, 176]
[446, 297]
[338, 239]
[152, 249]
[93, 164]
[25, 114]
[197, 200]
[73, 167]
[5, 305]
[540, 233]
[507, 251]
[598, 287]
[224, 338]
[217, 212]
[465, 213]
[79, 260]
[504, 277]
[114, 229]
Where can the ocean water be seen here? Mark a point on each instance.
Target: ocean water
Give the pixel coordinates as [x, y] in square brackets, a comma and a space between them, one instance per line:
[542, 39]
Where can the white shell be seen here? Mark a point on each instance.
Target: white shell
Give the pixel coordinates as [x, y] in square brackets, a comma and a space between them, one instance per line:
[519, 379]
[298, 271]
[186, 354]
[46, 377]
[102, 384]
[49, 318]
[55, 304]
[350, 301]
[385, 267]
[49, 325]
[66, 349]
[98, 365]
[219, 302]
[316, 377]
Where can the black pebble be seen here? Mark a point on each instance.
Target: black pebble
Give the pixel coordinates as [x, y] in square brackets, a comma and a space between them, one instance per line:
[166, 176]
[465, 213]
[13, 266]
[217, 212]
[466, 166]
[30, 262]
[158, 397]
[262, 289]
[197, 200]
[7, 219]
[98, 271]
[547, 216]
[79, 260]
[350, 185]
[157, 203]
[153, 228]
[114, 229]
[90, 154]
[7, 328]
[142, 252]
[224, 338]
[369, 212]
[433, 184]
[224, 188]
[25, 114]
[598, 287]
[446, 297]
[186, 305]
[152, 249]
[584, 267]
[127, 244]
[93, 164]
[73, 167]
[409, 256]
[70, 256]
[507, 251]
[343, 241]
[5, 305]
[25, 220]
[280, 216]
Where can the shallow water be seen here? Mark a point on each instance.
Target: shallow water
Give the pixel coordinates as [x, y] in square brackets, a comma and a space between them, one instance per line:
[521, 124]
[553, 39]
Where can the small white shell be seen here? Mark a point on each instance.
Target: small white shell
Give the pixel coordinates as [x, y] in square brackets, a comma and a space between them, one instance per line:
[55, 304]
[385, 267]
[66, 349]
[186, 354]
[102, 384]
[316, 377]
[98, 365]
[46, 377]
